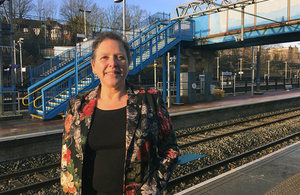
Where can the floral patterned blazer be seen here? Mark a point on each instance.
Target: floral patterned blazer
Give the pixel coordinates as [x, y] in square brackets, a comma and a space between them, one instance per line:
[151, 146]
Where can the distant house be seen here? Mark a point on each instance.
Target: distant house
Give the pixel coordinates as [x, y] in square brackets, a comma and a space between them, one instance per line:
[54, 30]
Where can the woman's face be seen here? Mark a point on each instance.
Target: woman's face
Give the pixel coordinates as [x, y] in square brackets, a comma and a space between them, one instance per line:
[111, 64]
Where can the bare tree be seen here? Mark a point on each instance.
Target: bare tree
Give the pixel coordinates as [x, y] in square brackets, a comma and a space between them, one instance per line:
[23, 7]
[69, 9]
[114, 16]
[96, 18]
[135, 15]
[46, 9]
[50, 9]
[40, 10]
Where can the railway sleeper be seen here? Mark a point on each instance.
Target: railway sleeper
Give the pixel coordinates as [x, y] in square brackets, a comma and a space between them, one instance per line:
[41, 177]
[17, 183]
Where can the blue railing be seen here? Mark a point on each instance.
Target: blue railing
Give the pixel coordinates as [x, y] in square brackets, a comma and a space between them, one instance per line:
[156, 41]
[147, 23]
[58, 62]
[56, 95]
[34, 91]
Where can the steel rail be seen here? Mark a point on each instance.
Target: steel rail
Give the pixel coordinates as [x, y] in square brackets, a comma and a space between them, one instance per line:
[176, 181]
[29, 171]
[35, 186]
[234, 123]
[234, 132]
[31, 187]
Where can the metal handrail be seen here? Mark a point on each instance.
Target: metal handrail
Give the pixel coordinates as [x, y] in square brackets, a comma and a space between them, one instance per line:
[46, 85]
[64, 90]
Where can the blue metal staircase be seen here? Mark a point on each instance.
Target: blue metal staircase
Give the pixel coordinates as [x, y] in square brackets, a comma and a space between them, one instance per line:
[49, 95]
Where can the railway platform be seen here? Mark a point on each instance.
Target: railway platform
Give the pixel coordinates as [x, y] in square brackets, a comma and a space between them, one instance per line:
[275, 174]
[266, 176]
[12, 129]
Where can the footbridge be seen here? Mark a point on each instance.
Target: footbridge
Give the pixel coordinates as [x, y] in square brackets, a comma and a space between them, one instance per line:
[196, 28]
[227, 24]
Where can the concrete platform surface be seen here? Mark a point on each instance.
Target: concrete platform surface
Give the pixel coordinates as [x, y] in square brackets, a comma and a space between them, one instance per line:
[275, 174]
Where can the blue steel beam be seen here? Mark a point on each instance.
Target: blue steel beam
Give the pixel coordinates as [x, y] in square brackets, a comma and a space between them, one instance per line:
[265, 34]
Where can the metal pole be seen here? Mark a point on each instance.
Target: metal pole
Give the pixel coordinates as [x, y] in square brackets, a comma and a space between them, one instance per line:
[169, 90]
[258, 68]
[84, 24]
[234, 85]
[241, 68]
[15, 58]
[222, 80]
[20, 43]
[285, 74]
[124, 18]
[242, 25]
[218, 68]
[155, 65]
[12, 54]
[19, 106]
[45, 34]
[268, 70]
[252, 67]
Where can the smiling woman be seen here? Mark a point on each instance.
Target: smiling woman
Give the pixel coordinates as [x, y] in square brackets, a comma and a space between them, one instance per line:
[111, 64]
[118, 138]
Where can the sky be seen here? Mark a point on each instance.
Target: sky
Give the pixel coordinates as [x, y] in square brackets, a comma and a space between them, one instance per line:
[152, 6]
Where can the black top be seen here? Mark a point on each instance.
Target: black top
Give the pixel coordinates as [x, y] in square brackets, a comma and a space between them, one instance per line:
[107, 138]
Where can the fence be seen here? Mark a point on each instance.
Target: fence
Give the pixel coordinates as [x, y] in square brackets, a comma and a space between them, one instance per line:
[7, 106]
[241, 86]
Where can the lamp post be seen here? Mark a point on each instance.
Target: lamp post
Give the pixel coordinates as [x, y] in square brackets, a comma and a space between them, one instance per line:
[84, 15]
[20, 44]
[124, 13]
[241, 68]
[218, 68]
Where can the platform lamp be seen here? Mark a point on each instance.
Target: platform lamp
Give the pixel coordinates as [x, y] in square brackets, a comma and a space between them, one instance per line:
[21, 64]
[84, 15]
[124, 13]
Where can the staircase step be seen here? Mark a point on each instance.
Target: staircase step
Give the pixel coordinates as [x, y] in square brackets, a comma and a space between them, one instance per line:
[48, 108]
[53, 104]
[86, 82]
[65, 96]
[40, 112]
[59, 100]
[73, 89]
[81, 86]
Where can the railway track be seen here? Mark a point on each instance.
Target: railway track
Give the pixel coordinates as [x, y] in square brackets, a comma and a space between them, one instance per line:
[221, 164]
[35, 174]
[205, 135]
[195, 137]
